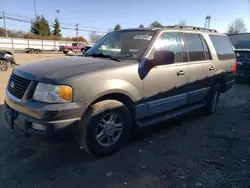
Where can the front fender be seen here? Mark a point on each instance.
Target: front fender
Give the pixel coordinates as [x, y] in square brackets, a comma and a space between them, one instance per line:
[111, 86]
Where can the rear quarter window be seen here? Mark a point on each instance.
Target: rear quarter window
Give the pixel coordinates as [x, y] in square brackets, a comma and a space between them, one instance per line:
[223, 47]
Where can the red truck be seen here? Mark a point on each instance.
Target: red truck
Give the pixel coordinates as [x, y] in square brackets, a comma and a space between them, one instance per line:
[75, 47]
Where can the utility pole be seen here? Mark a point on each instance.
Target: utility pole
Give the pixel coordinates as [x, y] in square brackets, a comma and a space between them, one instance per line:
[35, 7]
[207, 22]
[57, 13]
[5, 26]
[77, 25]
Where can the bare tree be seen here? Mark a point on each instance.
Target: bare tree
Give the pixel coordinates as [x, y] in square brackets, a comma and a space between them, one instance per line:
[94, 37]
[237, 26]
[183, 23]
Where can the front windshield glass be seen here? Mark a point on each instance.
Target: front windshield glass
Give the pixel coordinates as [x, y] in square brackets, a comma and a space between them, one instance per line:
[124, 44]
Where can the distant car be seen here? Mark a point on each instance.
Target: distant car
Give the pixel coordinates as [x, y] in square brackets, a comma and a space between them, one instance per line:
[6, 60]
[33, 50]
[75, 47]
[243, 64]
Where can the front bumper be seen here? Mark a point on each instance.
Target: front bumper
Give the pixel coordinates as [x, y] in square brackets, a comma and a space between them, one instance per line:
[34, 117]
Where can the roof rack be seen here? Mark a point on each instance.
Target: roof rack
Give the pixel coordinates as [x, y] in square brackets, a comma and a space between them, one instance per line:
[191, 27]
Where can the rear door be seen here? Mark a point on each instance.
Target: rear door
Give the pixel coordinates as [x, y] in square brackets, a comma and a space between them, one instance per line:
[201, 66]
[224, 58]
[165, 85]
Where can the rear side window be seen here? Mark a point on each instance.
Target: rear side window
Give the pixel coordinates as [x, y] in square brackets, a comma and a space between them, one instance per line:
[206, 49]
[223, 47]
[194, 47]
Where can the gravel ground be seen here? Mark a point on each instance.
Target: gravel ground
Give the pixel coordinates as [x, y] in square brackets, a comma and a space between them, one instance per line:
[190, 151]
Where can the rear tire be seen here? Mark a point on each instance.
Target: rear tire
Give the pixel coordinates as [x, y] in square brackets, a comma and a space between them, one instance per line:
[212, 100]
[105, 128]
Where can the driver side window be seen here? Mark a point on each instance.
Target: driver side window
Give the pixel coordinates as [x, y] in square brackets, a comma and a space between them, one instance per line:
[169, 42]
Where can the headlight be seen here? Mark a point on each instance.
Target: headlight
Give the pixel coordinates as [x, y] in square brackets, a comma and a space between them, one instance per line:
[53, 93]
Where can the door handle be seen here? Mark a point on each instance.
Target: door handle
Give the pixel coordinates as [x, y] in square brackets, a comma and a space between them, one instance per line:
[211, 68]
[180, 72]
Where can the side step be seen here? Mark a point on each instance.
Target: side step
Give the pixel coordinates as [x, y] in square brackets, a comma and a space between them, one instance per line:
[169, 115]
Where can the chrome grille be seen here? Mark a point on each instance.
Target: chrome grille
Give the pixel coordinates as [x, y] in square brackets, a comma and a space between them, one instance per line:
[17, 86]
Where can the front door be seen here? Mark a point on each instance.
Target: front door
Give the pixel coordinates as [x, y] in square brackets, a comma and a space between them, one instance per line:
[165, 85]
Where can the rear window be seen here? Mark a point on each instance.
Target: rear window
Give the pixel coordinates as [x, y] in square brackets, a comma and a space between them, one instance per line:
[242, 54]
[223, 47]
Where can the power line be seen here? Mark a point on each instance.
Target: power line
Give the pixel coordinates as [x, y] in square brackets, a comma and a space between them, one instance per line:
[16, 17]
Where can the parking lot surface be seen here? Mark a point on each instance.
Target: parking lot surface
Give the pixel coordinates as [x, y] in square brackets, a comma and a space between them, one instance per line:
[189, 151]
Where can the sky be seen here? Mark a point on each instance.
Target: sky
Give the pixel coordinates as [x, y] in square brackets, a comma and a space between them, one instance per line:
[102, 15]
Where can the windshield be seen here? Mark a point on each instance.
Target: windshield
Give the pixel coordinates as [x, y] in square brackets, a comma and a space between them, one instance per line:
[125, 44]
[242, 54]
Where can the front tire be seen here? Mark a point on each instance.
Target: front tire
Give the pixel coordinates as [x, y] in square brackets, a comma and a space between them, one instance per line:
[4, 65]
[105, 127]
[212, 100]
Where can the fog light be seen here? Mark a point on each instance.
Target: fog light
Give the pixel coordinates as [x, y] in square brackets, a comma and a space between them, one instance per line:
[38, 127]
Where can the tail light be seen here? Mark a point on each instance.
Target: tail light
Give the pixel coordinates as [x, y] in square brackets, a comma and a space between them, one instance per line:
[234, 68]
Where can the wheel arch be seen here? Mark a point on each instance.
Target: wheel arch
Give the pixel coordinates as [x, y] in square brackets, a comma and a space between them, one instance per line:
[3, 59]
[222, 81]
[119, 96]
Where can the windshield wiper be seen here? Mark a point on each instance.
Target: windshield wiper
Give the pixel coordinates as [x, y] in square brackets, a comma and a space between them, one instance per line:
[104, 56]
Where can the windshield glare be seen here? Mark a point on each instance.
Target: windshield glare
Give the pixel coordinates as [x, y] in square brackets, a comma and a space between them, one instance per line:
[128, 45]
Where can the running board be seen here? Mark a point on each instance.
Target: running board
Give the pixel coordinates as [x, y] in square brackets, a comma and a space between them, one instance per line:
[169, 115]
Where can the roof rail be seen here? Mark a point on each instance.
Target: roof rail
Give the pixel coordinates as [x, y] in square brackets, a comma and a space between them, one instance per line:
[191, 27]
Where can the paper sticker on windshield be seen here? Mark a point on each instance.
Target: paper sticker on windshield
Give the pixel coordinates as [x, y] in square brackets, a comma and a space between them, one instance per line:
[142, 37]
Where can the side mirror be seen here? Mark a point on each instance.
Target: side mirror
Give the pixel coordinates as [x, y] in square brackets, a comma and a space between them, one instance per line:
[163, 58]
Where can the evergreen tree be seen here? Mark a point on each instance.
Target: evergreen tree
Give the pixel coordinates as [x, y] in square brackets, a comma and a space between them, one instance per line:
[117, 27]
[40, 26]
[57, 30]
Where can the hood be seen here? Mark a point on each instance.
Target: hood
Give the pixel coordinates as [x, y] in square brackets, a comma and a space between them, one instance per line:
[64, 67]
